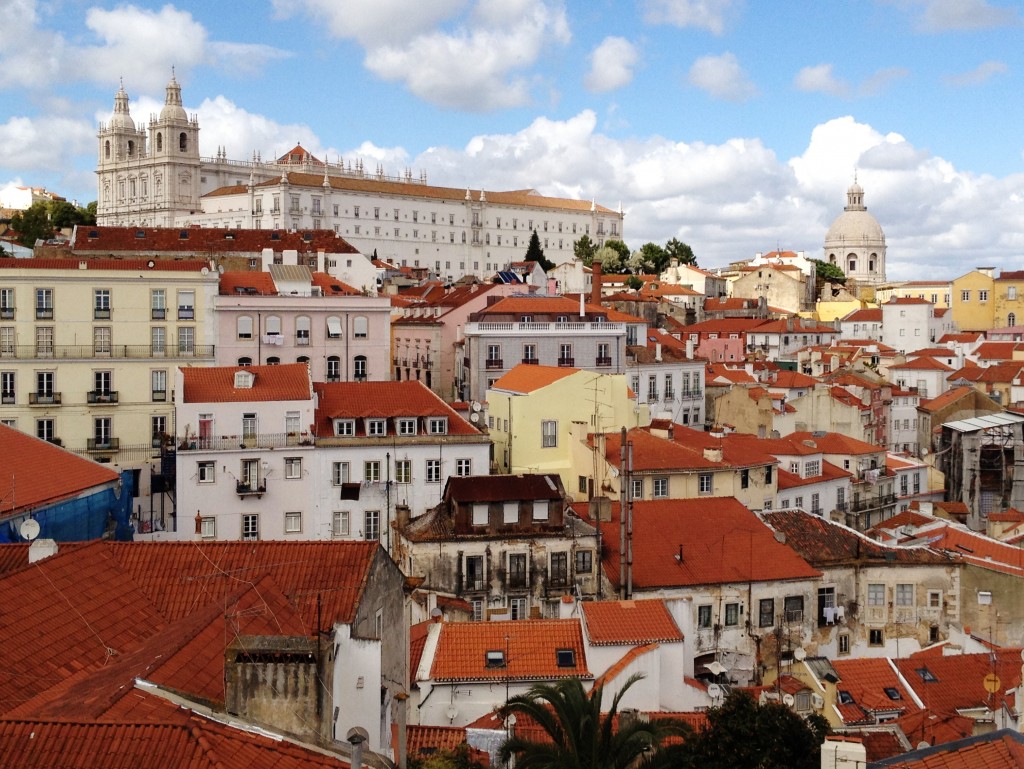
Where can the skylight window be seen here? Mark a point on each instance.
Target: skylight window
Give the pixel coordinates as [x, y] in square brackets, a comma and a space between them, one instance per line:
[566, 658]
[494, 658]
[926, 675]
[892, 693]
[845, 698]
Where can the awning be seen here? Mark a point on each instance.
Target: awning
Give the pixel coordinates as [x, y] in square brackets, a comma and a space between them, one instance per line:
[334, 326]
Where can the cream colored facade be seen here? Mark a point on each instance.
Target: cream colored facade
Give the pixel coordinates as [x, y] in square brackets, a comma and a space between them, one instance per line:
[937, 292]
[88, 350]
[973, 300]
[538, 431]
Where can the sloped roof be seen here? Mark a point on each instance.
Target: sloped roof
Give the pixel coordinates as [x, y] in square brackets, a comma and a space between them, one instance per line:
[791, 379]
[531, 647]
[629, 622]
[867, 681]
[837, 443]
[122, 265]
[206, 240]
[356, 400]
[684, 451]
[721, 542]
[26, 486]
[922, 363]
[499, 488]
[528, 378]
[866, 315]
[216, 384]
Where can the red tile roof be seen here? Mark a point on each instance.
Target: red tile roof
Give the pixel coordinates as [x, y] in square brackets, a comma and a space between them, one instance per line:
[125, 265]
[207, 240]
[23, 487]
[531, 646]
[790, 379]
[216, 384]
[867, 315]
[721, 542]
[527, 378]
[629, 622]
[947, 398]
[923, 363]
[867, 680]
[837, 443]
[260, 282]
[355, 400]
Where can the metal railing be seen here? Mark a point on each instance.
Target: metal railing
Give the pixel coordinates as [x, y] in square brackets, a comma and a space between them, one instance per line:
[101, 396]
[236, 442]
[44, 399]
[71, 351]
[102, 444]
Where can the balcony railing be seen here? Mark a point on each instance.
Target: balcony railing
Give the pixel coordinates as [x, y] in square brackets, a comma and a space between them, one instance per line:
[44, 313]
[7, 398]
[158, 313]
[44, 399]
[6, 313]
[534, 327]
[236, 442]
[493, 363]
[566, 361]
[101, 396]
[102, 444]
[186, 313]
[71, 351]
[251, 490]
[101, 313]
[603, 361]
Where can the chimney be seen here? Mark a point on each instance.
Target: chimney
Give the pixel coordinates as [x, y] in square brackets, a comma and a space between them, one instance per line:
[402, 516]
[689, 349]
[595, 283]
[657, 351]
[713, 453]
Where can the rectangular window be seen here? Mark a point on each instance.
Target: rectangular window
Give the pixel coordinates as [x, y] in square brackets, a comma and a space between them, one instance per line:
[704, 616]
[406, 426]
[732, 614]
[292, 523]
[102, 428]
[158, 385]
[480, 514]
[186, 340]
[518, 608]
[529, 353]
[293, 468]
[403, 471]
[794, 608]
[744, 478]
[844, 643]
[101, 303]
[652, 388]
[44, 429]
[463, 467]
[934, 599]
[559, 569]
[371, 525]
[876, 637]
[433, 471]
[510, 512]
[766, 612]
[44, 304]
[371, 471]
[517, 570]
[376, 427]
[101, 340]
[584, 561]
[637, 488]
[660, 488]
[340, 526]
[158, 340]
[206, 472]
[904, 595]
[965, 296]
[704, 483]
[549, 433]
[339, 473]
[474, 572]
[876, 595]
[250, 526]
[983, 295]
[7, 387]
[7, 303]
[437, 425]
[186, 305]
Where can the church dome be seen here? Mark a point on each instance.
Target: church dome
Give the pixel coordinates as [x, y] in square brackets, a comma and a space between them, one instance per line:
[855, 226]
[172, 103]
[122, 117]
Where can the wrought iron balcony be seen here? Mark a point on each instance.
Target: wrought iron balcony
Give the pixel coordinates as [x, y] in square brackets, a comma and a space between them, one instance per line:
[44, 399]
[604, 361]
[101, 396]
[250, 490]
[101, 313]
[566, 361]
[493, 363]
[136, 351]
[102, 444]
[235, 442]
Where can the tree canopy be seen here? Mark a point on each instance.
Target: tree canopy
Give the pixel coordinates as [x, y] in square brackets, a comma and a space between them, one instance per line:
[32, 224]
[676, 249]
[579, 735]
[828, 272]
[742, 733]
[584, 250]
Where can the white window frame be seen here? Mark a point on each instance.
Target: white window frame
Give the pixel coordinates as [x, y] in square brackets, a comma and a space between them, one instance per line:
[371, 471]
[292, 468]
[376, 427]
[463, 467]
[437, 426]
[206, 472]
[208, 527]
[433, 469]
[344, 428]
[406, 426]
[341, 523]
[403, 471]
[339, 473]
[292, 522]
[250, 527]
[549, 434]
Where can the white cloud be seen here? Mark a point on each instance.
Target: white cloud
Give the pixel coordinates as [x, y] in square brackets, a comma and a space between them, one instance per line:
[611, 65]
[30, 56]
[722, 77]
[46, 143]
[373, 23]
[712, 15]
[878, 81]
[978, 75]
[475, 68]
[820, 78]
[948, 15]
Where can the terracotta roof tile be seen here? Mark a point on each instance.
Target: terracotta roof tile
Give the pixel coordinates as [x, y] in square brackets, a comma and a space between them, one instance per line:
[356, 400]
[216, 384]
[629, 622]
[874, 686]
[211, 240]
[125, 265]
[527, 378]
[532, 647]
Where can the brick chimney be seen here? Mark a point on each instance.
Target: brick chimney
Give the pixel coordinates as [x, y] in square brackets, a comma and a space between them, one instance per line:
[595, 283]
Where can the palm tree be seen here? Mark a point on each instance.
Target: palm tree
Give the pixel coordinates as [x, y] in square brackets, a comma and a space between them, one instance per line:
[579, 735]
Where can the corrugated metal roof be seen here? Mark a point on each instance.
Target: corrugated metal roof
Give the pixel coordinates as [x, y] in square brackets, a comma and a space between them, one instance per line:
[1002, 419]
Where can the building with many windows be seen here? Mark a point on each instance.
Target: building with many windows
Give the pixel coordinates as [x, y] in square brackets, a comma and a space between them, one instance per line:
[155, 175]
[88, 349]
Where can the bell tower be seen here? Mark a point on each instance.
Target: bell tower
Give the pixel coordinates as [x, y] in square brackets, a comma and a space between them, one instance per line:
[122, 147]
[174, 150]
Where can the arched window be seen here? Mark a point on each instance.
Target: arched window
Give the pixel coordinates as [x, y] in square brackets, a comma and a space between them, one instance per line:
[106, 149]
[159, 142]
[273, 361]
[359, 368]
[359, 327]
[302, 330]
[244, 325]
[272, 327]
[302, 359]
[183, 141]
[851, 263]
[333, 368]
[1011, 319]
[245, 361]
[832, 258]
[131, 148]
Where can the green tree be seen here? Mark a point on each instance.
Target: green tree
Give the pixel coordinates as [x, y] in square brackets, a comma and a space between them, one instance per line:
[676, 249]
[651, 258]
[32, 224]
[621, 248]
[742, 734]
[458, 758]
[579, 735]
[534, 253]
[828, 272]
[89, 213]
[609, 259]
[64, 214]
[584, 249]
[634, 283]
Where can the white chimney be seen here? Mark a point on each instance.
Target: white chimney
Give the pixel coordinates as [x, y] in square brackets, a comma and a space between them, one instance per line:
[657, 352]
[582, 313]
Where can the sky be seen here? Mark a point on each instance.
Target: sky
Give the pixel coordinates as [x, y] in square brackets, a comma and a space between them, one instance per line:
[733, 125]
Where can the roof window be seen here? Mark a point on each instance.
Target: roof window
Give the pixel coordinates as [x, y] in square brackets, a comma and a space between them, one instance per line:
[275, 236]
[140, 233]
[494, 658]
[892, 693]
[94, 233]
[183, 235]
[566, 658]
[926, 675]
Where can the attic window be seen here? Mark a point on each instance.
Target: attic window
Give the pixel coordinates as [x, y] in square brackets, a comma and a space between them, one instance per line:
[94, 233]
[183, 235]
[926, 675]
[494, 658]
[243, 380]
[566, 658]
[307, 236]
[892, 693]
[845, 698]
[140, 233]
[275, 236]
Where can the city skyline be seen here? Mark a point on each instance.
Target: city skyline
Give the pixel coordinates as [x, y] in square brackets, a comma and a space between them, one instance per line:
[734, 128]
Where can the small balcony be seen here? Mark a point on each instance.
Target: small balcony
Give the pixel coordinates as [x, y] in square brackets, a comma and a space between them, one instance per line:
[603, 361]
[101, 313]
[6, 313]
[7, 398]
[158, 313]
[186, 313]
[102, 444]
[567, 362]
[531, 361]
[234, 442]
[44, 313]
[44, 399]
[251, 490]
[108, 397]
[493, 363]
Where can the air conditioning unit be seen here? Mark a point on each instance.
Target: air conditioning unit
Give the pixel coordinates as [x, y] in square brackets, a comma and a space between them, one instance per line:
[817, 701]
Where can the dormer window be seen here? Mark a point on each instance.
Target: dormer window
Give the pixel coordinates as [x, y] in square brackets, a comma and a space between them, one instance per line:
[438, 425]
[406, 426]
[344, 427]
[566, 658]
[494, 658]
[376, 427]
[244, 380]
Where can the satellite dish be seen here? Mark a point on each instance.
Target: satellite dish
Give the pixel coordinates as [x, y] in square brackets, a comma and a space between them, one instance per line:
[451, 712]
[476, 406]
[151, 264]
[799, 655]
[29, 529]
[435, 612]
[474, 418]
[780, 536]
[788, 699]
[204, 271]
[715, 691]
[923, 744]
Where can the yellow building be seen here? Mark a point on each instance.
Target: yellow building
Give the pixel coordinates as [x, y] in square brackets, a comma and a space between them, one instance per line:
[973, 300]
[537, 413]
[938, 292]
[1008, 309]
[88, 348]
